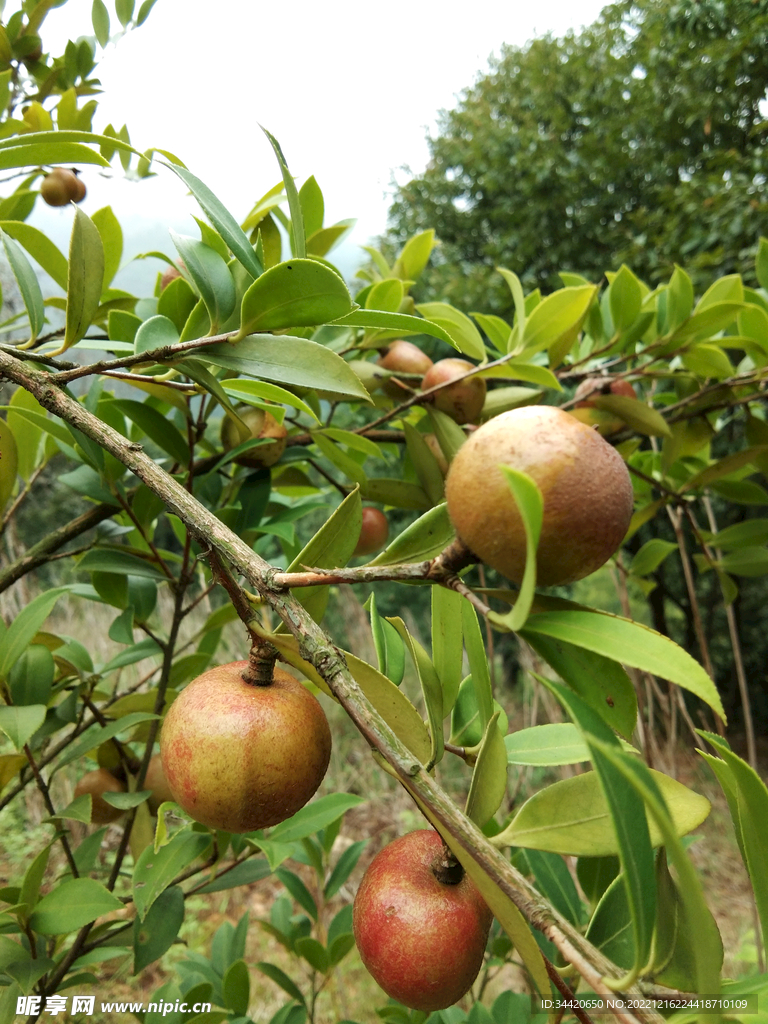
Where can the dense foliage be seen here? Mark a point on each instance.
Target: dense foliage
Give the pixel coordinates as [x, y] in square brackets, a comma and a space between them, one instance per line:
[640, 139]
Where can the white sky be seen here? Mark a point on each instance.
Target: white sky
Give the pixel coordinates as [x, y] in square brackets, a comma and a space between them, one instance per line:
[349, 89]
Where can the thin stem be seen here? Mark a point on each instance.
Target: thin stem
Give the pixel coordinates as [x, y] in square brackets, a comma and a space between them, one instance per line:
[41, 785]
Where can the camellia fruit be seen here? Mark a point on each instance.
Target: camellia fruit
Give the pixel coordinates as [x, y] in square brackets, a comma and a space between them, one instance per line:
[402, 357]
[373, 532]
[61, 187]
[421, 938]
[591, 387]
[97, 783]
[156, 781]
[241, 756]
[462, 401]
[585, 485]
[263, 426]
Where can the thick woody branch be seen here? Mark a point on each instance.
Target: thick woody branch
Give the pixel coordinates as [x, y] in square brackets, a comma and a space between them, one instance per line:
[317, 648]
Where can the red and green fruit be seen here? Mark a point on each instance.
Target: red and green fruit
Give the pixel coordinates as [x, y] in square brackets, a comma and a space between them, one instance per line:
[584, 482]
[402, 357]
[97, 783]
[462, 401]
[240, 756]
[421, 938]
[373, 532]
[263, 426]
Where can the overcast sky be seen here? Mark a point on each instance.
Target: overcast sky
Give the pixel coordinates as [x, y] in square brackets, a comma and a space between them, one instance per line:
[350, 90]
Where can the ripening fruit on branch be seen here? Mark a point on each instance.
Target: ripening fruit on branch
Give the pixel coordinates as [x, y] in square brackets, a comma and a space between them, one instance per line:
[402, 357]
[422, 939]
[97, 783]
[591, 387]
[462, 401]
[585, 485]
[263, 426]
[239, 756]
[61, 187]
[373, 532]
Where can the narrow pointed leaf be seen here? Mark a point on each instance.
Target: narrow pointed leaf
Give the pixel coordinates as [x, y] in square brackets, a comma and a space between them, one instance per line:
[298, 235]
[489, 778]
[86, 276]
[425, 538]
[211, 275]
[28, 284]
[430, 687]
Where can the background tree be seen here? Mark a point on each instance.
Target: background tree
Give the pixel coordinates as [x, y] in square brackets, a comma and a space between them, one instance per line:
[639, 139]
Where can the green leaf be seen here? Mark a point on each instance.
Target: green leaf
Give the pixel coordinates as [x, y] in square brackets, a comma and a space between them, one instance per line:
[221, 218]
[71, 905]
[159, 929]
[155, 870]
[100, 19]
[634, 413]
[424, 462]
[651, 555]
[316, 815]
[462, 333]
[296, 293]
[314, 953]
[572, 817]
[27, 623]
[402, 323]
[390, 649]
[122, 562]
[31, 678]
[343, 868]
[629, 822]
[425, 538]
[212, 277]
[9, 463]
[761, 263]
[489, 778]
[33, 877]
[298, 235]
[707, 321]
[558, 743]
[312, 206]
[124, 11]
[40, 248]
[478, 662]
[96, 735]
[498, 331]
[244, 873]
[111, 235]
[289, 360]
[156, 332]
[281, 978]
[557, 319]
[20, 723]
[447, 642]
[625, 297]
[298, 890]
[395, 492]
[530, 505]
[630, 643]
[236, 988]
[259, 389]
[466, 724]
[430, 686]
[85, 278]
[28, 284]
[156, 426]
[414, 255]
[610, 928]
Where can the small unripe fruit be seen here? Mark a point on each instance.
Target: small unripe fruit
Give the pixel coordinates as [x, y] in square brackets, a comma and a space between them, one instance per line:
[422, 939]
[156, 781]
[593, 386]
[585, 485]
[60, 187]
[462, 401]
[239, 756]
[262, 425]
[402, 357]
[96, 783]
[373, 532]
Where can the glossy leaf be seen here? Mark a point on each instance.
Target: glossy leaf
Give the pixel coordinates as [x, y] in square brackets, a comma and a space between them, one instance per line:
[554, 880]
[552, 744]
[396, 492]
[651, 555]
[85, 279]
[414, 255]
[425, 464]
[244, 390]
[401, 323]
[318, 814]
[28, 284]
[111, 235]
[489, 778]
[20, 723]
[289, 360]
[155, 935]
[530, 505]
[71, 905]
[447, 642]
[478, 662]
[628, 642]
[155, 870]
[154, 333]
[298, 234]
[9, 463]
[296, 293]
[211, 275]
[430, 687]
[425, 538]
[222, 220]
[15, 640]
[557, 319]
[634, 413]
[463, 334]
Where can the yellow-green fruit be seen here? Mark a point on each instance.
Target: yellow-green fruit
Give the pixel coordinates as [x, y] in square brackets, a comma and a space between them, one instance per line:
[59, 187]
[156, 781]
[240, 757]
[585, 485]
[262, 425]
[402, 357]
[96, 783]
[462, 401]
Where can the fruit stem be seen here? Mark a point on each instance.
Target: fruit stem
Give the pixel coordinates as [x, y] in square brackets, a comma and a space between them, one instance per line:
[446, 868]
[261, 664]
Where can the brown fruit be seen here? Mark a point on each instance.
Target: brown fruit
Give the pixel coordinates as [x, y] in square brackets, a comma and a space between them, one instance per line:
[462, 401]
[241, 757]
[156, 781]
[592, 386]
[60, 187]
[585, 485]
[80, 190]
[402, 357]
[373, 532]
[422, 939]
[262, 425]
[98, 782]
